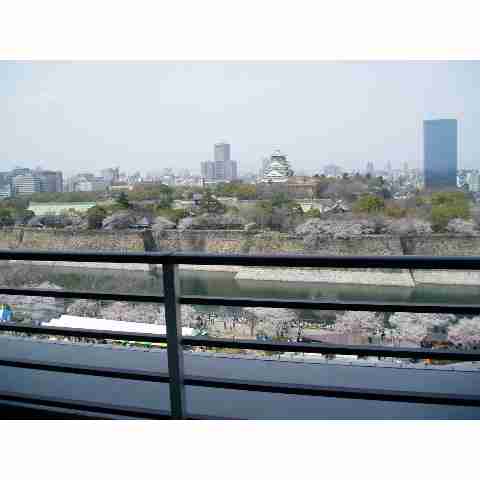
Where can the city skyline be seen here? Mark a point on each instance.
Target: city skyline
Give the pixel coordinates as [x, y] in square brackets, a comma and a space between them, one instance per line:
[148, 116]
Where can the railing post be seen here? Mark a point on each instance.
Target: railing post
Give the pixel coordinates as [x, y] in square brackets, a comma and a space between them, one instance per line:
[173, 320]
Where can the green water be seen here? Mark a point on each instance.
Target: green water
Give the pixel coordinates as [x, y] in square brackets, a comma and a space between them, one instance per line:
[217, 284]
[224, 284]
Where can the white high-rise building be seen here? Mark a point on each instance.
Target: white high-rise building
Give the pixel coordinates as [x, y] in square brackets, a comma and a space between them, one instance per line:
[26, 184]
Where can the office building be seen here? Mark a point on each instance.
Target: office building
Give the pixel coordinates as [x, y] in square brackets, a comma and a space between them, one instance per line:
[440, 155]
[19, 171]
[92, 185]
[208, 170]
[87, 182]
[50, 181]
[221, 152]
[26, 184]
[222, 168]
[370, 169]
[5, 190]
[111, 175]
[232, 172]
[473, 181]
[225, 168]
[332, 170]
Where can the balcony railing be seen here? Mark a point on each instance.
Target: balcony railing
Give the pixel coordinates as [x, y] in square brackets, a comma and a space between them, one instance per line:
[172, 299]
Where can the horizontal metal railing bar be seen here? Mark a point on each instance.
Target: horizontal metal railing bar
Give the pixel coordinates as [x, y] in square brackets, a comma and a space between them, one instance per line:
[84, 256]
[431, 398]
[107, 411]
[363, 350]
[301, 347]
[280, 260]
[83, 333]
[329, 304]
[318, 261]
[23, 410]
[78, 294]
[320, 304]
[253, 386]
[88, 406]
[105, 372]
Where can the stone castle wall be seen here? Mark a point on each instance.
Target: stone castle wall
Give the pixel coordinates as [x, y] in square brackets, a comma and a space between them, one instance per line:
[53, 239]
[439, 244]
[236, 241]
[240, 241]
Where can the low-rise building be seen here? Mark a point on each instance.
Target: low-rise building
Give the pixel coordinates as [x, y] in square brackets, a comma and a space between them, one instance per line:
[94, 185]
[121, 187]
[58, 208]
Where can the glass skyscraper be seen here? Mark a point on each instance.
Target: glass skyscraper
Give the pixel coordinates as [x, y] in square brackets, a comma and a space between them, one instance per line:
[440, 157]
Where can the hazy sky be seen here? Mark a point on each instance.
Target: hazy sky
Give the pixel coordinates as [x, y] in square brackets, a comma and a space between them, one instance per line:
[147, 116]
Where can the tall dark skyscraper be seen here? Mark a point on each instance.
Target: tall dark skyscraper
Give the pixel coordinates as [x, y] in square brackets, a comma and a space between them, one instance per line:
[440, 157]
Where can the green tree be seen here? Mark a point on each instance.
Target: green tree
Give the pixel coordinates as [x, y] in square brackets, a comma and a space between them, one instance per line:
[449, 198]
[122, 200]
[282, 217]
[172, 214]
[6, 217]
[163, 194]
[15, 203]
[369, 204]
[209, 204]
[280, 199]
[313, 213]
[264, 213]
[64, 197]
[446, 206]
[395, 211]
[238, 189]
[442, 214]
[95, 217]
[23, 215]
